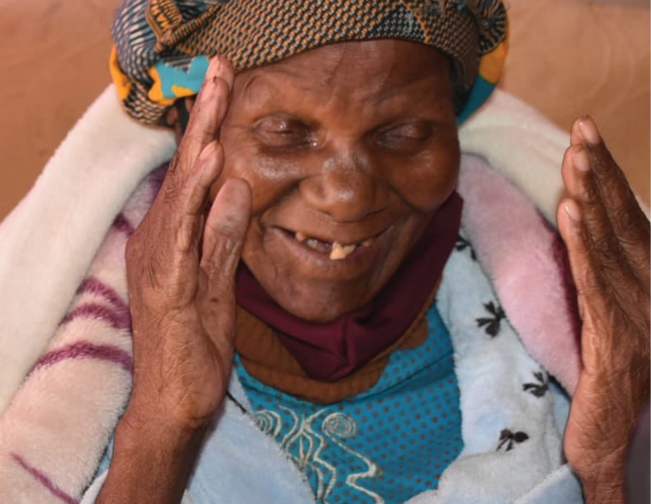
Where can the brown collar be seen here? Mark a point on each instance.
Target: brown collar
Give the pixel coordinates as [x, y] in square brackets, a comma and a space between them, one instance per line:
[266, 359]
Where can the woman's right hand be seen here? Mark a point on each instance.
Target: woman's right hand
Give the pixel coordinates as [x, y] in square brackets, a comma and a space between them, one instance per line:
[180, 269]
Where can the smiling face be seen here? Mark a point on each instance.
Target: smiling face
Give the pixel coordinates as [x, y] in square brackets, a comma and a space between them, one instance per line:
[350, 146]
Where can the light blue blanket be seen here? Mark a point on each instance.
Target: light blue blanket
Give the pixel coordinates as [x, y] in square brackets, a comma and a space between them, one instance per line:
[511, 419]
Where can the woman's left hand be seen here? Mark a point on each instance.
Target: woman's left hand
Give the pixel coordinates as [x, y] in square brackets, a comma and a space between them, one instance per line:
[607, 236]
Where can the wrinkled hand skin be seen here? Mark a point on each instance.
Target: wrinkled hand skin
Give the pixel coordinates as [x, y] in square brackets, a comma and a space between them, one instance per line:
[181, 263]
[607, 236]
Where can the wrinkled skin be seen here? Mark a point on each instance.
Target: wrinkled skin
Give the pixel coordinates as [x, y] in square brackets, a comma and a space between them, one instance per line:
[607, 236]
[325, 144]
[182, 259]
[180, 270]
[180, 267]
[319, 164]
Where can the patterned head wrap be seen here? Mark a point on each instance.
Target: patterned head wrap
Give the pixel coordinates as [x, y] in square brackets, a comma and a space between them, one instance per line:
[162, 47]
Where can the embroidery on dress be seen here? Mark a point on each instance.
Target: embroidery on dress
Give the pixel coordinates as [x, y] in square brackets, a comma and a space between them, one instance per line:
[305, 446]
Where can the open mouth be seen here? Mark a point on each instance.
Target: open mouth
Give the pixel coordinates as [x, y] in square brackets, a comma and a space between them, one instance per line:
[336, 250]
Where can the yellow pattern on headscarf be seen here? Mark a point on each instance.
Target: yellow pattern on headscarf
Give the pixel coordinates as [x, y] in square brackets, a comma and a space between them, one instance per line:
[181, 92]
[121, 81]
[491, 64]
[155, 94]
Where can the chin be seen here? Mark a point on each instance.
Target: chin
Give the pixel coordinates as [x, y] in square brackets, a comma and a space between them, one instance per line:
[317, 308]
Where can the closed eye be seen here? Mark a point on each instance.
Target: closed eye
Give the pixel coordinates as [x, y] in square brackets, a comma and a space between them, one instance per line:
[405, 136]
[282, 132]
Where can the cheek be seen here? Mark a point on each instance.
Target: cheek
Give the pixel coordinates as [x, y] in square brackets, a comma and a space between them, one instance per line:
[426, 181]
[268, 177]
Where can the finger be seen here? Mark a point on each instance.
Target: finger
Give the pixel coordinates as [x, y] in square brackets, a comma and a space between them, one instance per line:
[195, 190]
[600, 304]
[575, 134]
[184, 170]
[624, 213]
[207, 115]
[570, 170]
[211, 227]
[218, 318]
[225, 228]
[599, 234]
[224, 233]
[570, 226]
[187, 208]
[590, 283]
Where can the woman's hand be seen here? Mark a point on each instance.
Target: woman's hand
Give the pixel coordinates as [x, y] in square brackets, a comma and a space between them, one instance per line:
[180, 269]
[607, 236]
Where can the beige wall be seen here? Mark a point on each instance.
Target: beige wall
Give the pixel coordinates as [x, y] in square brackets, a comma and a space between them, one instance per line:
[570, 57]
[53, 63]
[567, 58]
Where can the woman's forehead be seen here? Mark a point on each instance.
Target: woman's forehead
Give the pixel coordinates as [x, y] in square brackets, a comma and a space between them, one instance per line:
[369, 70]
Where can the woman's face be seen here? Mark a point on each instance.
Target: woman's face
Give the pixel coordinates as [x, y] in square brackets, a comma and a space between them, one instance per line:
[354, 143]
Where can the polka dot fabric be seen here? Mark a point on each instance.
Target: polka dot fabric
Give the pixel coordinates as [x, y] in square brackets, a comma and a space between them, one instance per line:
[386, 444]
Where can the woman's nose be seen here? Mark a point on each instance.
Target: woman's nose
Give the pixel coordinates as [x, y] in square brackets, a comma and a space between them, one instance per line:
[346, 187]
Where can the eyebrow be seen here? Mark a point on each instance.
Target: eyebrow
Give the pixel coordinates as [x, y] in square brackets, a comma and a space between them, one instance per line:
[259, 89]
[248, 85]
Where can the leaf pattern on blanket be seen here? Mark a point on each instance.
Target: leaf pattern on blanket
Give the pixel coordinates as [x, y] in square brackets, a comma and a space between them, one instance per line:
[541, 386]
[491, 324]
[508, 439]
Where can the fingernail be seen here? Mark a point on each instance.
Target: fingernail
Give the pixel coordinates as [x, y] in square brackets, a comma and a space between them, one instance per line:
[213, 68]
[572, 210]
[589, 131]
[581, 160]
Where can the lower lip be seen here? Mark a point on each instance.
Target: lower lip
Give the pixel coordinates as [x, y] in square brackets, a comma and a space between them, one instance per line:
[361, 259]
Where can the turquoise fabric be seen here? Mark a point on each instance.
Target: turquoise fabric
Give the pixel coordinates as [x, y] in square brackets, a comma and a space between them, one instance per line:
[479, 94]
[174, 81]
[390, 442]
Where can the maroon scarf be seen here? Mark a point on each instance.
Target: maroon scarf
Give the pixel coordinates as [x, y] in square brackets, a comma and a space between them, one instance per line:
[335, 349]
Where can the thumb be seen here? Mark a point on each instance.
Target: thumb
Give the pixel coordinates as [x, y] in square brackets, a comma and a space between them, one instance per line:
[225, 230]
[224, 233]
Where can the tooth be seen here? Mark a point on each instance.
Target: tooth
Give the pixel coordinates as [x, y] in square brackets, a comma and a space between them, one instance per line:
[367, 243]
[300, 236]
[340, 251]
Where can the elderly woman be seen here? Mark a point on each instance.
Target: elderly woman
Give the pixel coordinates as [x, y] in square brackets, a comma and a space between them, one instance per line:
[298, 243]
